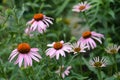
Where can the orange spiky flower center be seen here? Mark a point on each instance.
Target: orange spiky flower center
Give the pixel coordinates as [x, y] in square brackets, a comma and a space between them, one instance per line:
[38, 16]
[23, 48]
[82, 7]
[58, 45]
[86, 34]
[77, 49]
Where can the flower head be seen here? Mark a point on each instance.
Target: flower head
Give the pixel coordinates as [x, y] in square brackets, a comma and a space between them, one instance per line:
[25, 53]
[64, 71]
[97, 62]
[57, 49]
[88, 38]
[113, 49]
[80, 7]
[39, 23]
[76, 48]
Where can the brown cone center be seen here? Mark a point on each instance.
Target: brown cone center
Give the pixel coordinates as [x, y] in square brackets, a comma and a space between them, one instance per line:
[81, 7]
[113, 51]
[86, 34]
[97, 64]
[23, 48]
[38, 16]
[77, 49]
[58, 45]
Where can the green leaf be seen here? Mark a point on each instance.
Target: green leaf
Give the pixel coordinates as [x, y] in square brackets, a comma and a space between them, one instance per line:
[62, 7]
[110, 78]
[112, 14]
[89, 66]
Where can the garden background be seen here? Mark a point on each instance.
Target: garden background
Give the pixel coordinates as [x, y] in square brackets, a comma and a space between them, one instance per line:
[102, 17]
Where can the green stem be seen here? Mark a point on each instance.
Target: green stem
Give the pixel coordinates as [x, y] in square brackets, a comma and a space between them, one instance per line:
[5, 21]
[105, 25]
[72, 58]
[41, 7]
[115, 61]
[86, 18]
[61, 68]
[81, 63]
[111, 67]
[16, 18]
[99, 74]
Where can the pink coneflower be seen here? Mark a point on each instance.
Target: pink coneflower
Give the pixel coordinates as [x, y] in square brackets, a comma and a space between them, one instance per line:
[64, 72]
[83, 6]
[25, 53]
[39, 23]
[57, 49]
[77, 48]
[88, 38]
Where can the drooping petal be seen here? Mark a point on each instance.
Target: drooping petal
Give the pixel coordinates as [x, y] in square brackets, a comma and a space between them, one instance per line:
[92, 43]
[33, 57]
[36, 54]
[97, 39]
[20, 56]
[49, 21]
[62, 53]
[34, 49]
[30, 60]
[57, 55]
[26, 59]
[34, 26]
[13, 56]
[50, 51]
[13, 53]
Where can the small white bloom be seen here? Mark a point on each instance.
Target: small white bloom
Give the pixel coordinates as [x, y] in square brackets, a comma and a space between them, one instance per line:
[113, 49]
[77, 48]
[97, 62]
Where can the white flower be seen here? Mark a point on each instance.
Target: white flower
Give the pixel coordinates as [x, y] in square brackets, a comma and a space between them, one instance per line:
[113, 49]
[97, 62]
[77, 48]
